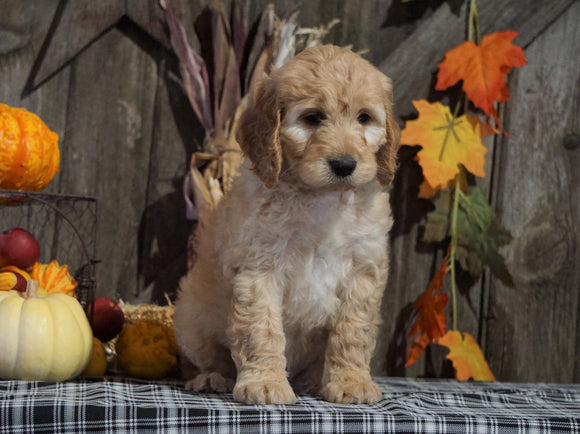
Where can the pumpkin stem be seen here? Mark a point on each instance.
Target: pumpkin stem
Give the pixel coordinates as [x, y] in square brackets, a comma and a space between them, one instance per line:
[31, 288]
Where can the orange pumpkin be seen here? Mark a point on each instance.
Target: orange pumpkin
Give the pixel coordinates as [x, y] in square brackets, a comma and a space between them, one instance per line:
[29, 149]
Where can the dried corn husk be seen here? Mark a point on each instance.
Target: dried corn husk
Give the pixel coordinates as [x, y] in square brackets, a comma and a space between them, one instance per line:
[218, 100]
[213, 172]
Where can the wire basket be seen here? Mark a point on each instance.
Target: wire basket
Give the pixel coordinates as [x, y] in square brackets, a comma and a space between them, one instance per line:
[65, 227]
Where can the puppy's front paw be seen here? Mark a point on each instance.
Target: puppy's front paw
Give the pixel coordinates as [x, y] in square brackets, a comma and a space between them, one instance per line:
[352, 391]
[210, 382]
[265, 391]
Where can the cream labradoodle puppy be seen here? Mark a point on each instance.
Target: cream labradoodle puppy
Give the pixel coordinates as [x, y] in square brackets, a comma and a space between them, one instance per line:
[287, 287]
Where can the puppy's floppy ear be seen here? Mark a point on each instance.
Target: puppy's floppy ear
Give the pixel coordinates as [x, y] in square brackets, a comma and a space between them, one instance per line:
[258, 132]
[387, 153]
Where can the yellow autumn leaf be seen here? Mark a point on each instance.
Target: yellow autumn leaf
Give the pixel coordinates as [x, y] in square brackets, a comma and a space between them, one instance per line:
[466, 356]
[446, 142]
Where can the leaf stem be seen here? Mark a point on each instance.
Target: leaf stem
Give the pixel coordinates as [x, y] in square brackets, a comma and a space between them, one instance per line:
[454, 214]
[473, 30]
[456, 110]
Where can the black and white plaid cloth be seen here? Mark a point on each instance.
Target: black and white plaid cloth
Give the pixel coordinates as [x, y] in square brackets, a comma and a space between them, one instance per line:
[408, 406]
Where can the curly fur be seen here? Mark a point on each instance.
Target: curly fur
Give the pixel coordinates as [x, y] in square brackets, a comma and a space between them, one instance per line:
[286, 291]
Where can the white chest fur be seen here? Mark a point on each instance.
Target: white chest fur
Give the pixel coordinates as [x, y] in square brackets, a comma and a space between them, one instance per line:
[322, 242]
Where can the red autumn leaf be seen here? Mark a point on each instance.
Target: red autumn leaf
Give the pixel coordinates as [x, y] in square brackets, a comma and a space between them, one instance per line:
[483, 69]
[430, 321]
[466, 356]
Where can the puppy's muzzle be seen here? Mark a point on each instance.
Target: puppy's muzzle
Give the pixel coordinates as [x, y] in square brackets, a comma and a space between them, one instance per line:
[342, 166]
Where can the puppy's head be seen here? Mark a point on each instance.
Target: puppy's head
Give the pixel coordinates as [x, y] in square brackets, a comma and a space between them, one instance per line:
[324, 120]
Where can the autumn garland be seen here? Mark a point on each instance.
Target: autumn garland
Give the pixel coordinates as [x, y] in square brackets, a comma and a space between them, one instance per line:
[451, 148]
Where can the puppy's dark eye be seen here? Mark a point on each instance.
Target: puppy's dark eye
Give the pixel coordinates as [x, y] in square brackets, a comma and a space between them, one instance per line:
[363, 118]
[314, 118]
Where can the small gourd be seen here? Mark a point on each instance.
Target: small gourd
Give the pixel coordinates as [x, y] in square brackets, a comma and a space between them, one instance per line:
[53, 278]
[146, 349]
[42, 336]
[13, 278]
[98, 364]
[29, 149]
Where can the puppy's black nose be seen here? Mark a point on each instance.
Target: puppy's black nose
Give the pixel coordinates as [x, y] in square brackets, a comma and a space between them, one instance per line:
[342, 166]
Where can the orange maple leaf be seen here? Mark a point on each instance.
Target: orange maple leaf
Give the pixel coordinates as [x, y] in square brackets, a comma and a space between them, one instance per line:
[446, 142]
[426, 191]
[481, 128]
[466, 356]
[430, 322]
[483, 69]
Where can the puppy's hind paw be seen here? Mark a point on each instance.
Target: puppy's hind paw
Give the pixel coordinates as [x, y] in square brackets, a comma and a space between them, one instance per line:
[210, 382]
[352, 392]
[264, 392]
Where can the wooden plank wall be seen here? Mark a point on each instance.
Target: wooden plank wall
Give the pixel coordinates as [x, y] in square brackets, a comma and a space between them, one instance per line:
[532, 329]
[127, 133]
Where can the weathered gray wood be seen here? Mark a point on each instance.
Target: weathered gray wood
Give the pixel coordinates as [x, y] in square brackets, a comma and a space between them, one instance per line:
[363, 24]
[163, 230]
[94, 19]
[532, 330]
[150, 17]
[109, 149]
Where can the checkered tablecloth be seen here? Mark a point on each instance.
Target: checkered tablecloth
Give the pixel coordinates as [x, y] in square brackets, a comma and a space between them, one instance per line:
[408, 405]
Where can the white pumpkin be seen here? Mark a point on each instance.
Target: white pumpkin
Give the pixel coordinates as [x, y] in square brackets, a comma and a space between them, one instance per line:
[42, 337]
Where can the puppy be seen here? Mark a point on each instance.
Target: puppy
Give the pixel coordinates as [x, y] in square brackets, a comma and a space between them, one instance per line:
[291, 270]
